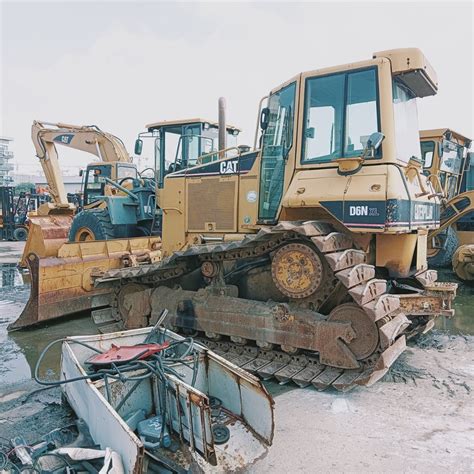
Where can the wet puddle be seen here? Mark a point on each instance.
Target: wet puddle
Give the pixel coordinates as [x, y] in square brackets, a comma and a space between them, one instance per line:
[463, 322]
[20, 350]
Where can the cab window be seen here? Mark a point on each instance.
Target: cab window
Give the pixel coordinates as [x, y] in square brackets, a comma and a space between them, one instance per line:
[126, 172]
[95, 183]
[341, 112]
[427, 152]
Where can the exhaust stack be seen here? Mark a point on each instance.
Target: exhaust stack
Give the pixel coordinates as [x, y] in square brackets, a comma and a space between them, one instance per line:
[222, 126]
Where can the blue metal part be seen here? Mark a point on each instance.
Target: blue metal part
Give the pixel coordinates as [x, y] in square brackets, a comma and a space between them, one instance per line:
[137, 207]
[150, 433]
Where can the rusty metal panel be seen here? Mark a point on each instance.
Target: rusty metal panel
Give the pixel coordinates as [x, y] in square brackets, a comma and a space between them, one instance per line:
[246, 395]
[189, 406]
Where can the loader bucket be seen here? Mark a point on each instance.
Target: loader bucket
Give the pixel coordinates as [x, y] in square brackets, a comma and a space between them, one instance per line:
[46, 234]
[63, 285]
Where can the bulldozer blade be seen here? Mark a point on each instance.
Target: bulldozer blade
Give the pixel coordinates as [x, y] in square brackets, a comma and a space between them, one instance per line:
[63, 285]
[46, 234]
[47, 305]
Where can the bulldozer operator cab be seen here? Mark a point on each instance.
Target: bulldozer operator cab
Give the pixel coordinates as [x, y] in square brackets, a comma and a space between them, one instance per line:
[183, 144]
[446, 161]
[95, 185]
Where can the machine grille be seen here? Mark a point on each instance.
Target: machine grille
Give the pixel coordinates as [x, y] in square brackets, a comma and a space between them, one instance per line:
[211, 201]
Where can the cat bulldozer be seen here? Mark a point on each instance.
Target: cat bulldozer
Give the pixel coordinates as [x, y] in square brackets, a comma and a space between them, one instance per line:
[449, 166]
[65, 251]
[50, 225]
[304, 259]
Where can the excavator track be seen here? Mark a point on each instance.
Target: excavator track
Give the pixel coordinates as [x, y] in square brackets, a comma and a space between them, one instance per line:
[340, 264]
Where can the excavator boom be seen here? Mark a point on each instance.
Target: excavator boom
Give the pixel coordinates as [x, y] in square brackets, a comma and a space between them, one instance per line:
[91, 139]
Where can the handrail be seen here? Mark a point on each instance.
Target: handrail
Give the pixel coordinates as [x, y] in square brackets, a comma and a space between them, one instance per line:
[424, 192]
[439, 183]
[164, 209]
[216, 153]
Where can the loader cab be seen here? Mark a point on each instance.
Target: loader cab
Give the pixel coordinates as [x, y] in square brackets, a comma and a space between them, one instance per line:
[178, 145]
[445, 161]
[94, 179]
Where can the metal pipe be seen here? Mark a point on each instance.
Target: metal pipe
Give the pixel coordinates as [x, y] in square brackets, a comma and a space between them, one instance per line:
[222, 127]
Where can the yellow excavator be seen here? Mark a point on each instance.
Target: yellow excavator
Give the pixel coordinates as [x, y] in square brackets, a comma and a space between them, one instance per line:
[50, 225]
[448, 164]
[304, 259]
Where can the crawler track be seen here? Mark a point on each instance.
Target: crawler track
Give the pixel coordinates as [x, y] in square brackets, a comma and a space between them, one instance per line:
[346, 266]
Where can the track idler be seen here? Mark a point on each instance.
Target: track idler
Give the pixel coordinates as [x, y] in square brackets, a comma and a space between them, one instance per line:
[218, 314]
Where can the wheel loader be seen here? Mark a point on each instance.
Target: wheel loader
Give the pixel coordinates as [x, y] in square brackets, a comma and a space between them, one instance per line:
[180, 144]
[304, 259]
[448, 165]
[50, 225]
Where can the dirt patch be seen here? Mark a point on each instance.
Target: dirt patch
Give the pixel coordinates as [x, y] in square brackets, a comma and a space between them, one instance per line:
[420, 418]
[27, 409]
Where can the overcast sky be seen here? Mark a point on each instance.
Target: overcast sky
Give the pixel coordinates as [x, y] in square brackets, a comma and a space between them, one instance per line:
[120, 65]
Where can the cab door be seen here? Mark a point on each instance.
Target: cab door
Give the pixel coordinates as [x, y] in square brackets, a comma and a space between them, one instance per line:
[276, 144]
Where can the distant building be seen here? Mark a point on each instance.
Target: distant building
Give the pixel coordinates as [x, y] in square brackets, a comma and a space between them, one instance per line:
[71, 183]
[5, 166]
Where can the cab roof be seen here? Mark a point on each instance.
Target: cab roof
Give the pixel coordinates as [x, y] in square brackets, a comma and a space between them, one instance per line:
[164, 123]
[409, 65]
[440, 132]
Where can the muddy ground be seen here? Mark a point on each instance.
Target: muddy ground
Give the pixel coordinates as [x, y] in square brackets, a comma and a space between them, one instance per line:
[419, 419]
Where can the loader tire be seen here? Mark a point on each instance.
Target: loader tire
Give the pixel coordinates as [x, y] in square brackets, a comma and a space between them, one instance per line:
[20, 233]
[442, 257]
[91, 224]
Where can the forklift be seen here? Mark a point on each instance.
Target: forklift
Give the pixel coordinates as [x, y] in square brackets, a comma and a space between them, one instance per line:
[13, 216]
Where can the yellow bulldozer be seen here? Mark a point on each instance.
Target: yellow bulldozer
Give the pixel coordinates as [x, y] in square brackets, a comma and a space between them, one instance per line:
[449, 166]
[304, 259]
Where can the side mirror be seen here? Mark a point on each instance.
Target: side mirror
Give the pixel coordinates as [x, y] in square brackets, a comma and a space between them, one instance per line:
[138, 146]
[309, 132]
[81, 172]
[264, 118]
[375, 140]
